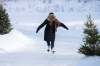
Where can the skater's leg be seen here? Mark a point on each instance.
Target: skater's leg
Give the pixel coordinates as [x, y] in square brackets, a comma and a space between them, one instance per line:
[48, 44]
[52, 45]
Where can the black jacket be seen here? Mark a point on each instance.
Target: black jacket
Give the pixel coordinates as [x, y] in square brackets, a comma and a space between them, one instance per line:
[49, 33]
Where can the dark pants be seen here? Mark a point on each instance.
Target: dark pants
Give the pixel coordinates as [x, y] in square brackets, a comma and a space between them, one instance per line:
[50, 44]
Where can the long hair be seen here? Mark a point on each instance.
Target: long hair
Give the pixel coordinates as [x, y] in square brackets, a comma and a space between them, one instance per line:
[53, 21]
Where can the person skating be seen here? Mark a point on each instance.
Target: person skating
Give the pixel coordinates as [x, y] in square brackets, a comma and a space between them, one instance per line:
[51, 23]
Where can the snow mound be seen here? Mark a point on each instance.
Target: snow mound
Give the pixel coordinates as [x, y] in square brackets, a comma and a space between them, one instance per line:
[90, 61]
[14, 41]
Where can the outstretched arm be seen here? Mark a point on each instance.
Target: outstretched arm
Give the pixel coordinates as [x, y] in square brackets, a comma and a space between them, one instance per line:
[64, 26]
[40, 26]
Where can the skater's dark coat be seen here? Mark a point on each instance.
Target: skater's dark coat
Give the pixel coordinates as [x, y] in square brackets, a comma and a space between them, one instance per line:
[51, 28]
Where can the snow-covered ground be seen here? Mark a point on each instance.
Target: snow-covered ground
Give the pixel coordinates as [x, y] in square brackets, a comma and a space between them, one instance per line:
[18, 50]
[23, 47]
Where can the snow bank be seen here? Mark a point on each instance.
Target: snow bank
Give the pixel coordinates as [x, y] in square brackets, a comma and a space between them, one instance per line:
[90, 61]
[14, 41]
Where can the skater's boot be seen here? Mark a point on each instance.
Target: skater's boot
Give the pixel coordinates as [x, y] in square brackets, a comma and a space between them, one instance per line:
[53, 51]
[48, 50]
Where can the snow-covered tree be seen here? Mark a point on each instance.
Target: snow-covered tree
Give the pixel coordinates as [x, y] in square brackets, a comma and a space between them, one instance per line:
[5, 26]
[91, 39]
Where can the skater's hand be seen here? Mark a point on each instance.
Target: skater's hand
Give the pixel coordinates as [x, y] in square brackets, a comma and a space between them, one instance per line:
[67, 28]
[36, 31]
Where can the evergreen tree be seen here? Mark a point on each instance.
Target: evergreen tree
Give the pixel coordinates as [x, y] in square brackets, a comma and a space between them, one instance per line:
[91, 39]
[5, 26]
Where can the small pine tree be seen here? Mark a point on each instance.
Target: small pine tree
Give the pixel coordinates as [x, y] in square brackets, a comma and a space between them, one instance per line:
[91, 39]
[5, 26]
